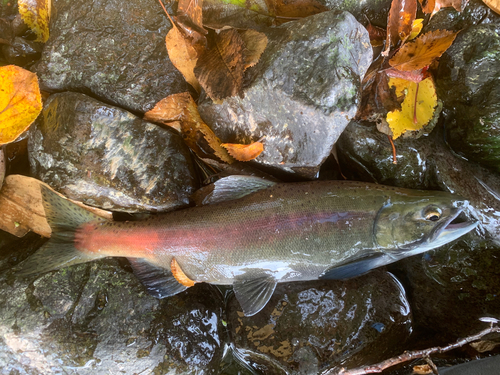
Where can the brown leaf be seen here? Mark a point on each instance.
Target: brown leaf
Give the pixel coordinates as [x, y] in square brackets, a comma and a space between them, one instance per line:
[377, 98]
[400, 22]
[181, 110]
[22, 209]
[220, 69]
[255, 44]
[295, 8]
[179, 275]
[192, 9]
[423, 51]
[412, 75]
[2, 167]
[377, 35]
[427, 5]
[494, 5]
[244, 152]
[182, 55]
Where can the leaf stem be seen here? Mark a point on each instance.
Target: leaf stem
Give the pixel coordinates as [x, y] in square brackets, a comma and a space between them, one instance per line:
[394, 160]
[415, 121]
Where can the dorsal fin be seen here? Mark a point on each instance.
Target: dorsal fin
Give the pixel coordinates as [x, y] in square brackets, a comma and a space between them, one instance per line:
[229, 188]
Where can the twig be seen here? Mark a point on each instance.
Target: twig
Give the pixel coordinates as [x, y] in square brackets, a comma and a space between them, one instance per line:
[168, 15]
[394, 160]
[408, 356]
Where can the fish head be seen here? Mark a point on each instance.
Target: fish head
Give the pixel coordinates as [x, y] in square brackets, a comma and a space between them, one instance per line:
[413, 221]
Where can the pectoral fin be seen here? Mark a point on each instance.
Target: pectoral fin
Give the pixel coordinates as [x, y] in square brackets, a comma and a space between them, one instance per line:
[254, 293]
[357, 267]
[158, 281]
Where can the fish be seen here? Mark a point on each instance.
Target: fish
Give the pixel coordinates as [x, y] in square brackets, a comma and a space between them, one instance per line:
[252, 233]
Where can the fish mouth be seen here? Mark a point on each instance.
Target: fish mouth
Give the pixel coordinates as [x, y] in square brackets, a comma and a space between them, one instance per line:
[451, 229]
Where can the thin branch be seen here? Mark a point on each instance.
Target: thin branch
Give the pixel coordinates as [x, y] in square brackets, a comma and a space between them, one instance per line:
[409, 356]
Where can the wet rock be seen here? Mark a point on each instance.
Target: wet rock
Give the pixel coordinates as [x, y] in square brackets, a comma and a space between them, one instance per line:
[308, 327]
[365, 154]
[109, 158]
[450, 288]
[485, 366]
[468, 81]
[113, 49]
[375, 10]
[300, 95]
[96, 319]
[21, 51]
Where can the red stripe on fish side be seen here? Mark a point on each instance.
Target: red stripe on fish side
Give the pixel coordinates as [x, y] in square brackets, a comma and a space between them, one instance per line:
[112, 240]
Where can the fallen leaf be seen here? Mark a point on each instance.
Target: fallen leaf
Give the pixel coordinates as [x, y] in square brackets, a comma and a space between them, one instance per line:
[494, 5]
[290, 9]
[459, 5]
[417, 108]
[416, 28]
[255, 44]
[377, 35]
[377, 98]
[20, 101]
[183, 56]
[192, 9]
[180, 110]
[244, 152]
[411, 75]
[22, 208]
[36, 14]
[427, 5]
[2, 167]
[400, 21]
[423, 51]
[179, 275]
[220, 69]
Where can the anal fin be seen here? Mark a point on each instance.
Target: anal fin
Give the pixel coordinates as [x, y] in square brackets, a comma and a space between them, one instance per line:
[357, 267]
[158, 281]
[254, 293]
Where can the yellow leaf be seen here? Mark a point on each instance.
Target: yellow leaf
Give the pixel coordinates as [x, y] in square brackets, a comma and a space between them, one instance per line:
[182, 55]
[20, 101]
[417, 108]
[36, 14]
[416, 28]
[244, 152]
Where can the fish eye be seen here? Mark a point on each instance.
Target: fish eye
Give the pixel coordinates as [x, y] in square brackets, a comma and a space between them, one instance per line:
[432, 213]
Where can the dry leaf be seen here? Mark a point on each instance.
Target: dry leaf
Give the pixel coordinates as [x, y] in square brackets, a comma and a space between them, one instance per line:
[179, 275]
[377, 35]
[20, 101]
[423, 50]
[192, 9]
[427, 5]
[494, 5]
[220, 69]
[417, 108]
[400, 21]
[244, 152]
[412, 75]
[2, 167]
[182, 55]
[180, 110]
[416, 28]
[255, 44]
[294, 8]
[36, 14]
[377, 98]
[22, 208]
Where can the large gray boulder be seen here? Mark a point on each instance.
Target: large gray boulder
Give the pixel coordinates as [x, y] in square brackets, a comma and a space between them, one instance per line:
[301, 94]
[112, 49]
[108, 157]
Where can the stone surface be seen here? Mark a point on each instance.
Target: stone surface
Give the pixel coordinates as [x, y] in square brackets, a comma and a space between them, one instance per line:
[311, 326]
[468, 82]
[114, 50]
[21, 52]
[375, 10]
[300, 95]
[107, 157]
[452, 287]
[96, 319]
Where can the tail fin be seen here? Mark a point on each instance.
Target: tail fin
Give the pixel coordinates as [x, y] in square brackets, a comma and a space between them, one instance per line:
[64, 217]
